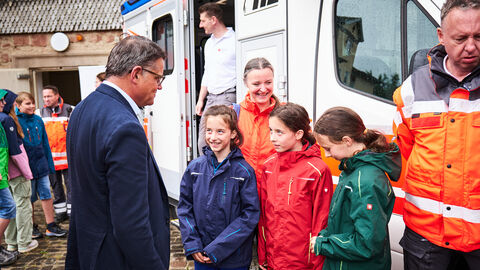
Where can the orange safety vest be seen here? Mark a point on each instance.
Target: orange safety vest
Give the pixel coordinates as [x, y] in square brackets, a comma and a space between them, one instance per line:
[56, 128]
[438, 128]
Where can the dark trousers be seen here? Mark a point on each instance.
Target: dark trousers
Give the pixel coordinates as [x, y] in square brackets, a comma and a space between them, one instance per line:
[421, 254]
[57, 186]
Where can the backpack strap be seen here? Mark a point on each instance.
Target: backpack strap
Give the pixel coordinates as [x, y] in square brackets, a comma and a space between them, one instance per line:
[236, 108]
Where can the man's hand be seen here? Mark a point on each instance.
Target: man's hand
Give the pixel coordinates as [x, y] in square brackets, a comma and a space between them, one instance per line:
[198, 108]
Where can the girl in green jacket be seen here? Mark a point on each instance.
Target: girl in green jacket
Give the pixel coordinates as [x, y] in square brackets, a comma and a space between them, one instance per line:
[356, 236]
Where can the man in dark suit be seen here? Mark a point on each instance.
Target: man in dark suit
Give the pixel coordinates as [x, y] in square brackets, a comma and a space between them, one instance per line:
[120, 217]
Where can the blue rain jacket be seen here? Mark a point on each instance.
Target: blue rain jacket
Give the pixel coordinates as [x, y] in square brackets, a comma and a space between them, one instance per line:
[219, 209]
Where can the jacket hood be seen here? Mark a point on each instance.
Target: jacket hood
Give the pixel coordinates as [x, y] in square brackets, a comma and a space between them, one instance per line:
[389, 162]
[435, 59]
[9, 100]
[288, 159]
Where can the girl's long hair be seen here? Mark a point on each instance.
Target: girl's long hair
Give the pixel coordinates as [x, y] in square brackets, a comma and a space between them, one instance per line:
[230, 117]
[295, 117]
[337, 122]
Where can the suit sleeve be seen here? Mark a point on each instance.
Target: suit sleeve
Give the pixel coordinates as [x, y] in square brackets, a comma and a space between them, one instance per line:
[188, 227]
[237, 232]
[126, 162]
[401, 129]
[322, 196]
[370, 224]
[46, 148]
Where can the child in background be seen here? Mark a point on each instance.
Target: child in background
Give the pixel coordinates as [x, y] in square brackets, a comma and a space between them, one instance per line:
[218, 207]
[295, 193]
[40, 160]
[356, 236]
[18, 235]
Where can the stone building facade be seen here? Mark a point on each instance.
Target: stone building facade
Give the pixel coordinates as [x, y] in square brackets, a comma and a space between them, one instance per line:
[27, 59]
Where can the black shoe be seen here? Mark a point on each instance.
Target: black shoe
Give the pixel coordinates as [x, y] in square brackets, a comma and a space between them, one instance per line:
[55, 230]
[59, 218]
[7, 257]
[36, 232]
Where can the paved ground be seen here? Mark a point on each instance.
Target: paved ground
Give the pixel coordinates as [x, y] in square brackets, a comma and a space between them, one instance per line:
[51, 251]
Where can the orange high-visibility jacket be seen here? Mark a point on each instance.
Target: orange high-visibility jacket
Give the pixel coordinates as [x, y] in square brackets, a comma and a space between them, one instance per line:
[56, 122]
[253, 124]
[438, 128]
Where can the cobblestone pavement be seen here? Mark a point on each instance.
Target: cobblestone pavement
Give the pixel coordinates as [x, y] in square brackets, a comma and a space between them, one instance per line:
[51, 251]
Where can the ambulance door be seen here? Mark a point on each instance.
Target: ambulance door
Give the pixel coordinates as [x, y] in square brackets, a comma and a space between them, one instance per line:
[167, 116]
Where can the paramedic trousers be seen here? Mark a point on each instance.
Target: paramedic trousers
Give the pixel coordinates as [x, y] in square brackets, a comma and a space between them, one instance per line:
[226, 98]
[19, 230]
[60, 203]
[419, 253]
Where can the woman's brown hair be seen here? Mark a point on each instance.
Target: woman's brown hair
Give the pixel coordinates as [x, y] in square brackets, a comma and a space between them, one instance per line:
[337, 122]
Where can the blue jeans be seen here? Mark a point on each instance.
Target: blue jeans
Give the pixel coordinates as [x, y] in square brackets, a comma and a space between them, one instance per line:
[7, 204]
[40, 186]
[204, 266]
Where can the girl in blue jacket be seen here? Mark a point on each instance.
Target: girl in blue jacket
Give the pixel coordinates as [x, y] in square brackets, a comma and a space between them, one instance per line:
[218, 207]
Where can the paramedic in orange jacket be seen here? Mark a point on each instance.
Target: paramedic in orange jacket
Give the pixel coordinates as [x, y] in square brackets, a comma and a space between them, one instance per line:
[438, 128]
[55, 115]
[254, 113]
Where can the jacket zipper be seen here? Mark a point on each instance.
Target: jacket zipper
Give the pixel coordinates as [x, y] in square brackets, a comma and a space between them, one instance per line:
[289, 190]
[38, 133]
[224, 190]
[29, 137]
[309, 248]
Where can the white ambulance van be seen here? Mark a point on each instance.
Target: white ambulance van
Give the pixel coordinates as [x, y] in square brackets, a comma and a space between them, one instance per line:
[351, 53]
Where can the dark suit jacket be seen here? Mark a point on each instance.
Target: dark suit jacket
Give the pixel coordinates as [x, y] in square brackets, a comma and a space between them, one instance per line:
[120, 217]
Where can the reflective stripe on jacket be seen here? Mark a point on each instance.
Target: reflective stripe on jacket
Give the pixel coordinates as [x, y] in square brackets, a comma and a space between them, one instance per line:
[295, 193]
[56, 127]
[253, 124]
[438, 129]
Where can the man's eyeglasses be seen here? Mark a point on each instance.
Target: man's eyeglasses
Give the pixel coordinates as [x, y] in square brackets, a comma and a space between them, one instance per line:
[158, 77]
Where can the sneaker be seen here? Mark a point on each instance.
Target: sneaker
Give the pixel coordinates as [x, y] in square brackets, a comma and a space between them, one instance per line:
[55, 230]
[61, 217]
[33, 245]
[7, 257]
[12, 247]
[36, 232]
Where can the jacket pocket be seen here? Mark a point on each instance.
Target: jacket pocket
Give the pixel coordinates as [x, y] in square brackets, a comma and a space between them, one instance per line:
[426, 121]
[299, 190]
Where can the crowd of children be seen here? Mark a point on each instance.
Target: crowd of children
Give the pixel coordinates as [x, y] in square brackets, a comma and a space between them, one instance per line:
[25, 163]
[287, 204]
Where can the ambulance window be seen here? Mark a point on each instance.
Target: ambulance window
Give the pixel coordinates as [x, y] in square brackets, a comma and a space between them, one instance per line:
[254, 5]
[368, 46]
[162, 34]
[421, 33]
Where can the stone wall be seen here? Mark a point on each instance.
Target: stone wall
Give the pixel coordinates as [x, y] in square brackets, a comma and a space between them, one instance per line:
[34, 50]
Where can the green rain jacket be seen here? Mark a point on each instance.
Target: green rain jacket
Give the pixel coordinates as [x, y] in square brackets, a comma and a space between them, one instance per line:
[3, 158]
[356, 236]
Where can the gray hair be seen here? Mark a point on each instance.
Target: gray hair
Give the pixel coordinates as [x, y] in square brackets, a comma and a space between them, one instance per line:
[462, 4]
[256, 63]
[130, 52]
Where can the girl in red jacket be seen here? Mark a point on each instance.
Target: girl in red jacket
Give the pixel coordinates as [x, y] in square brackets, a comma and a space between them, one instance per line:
[295, 193]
